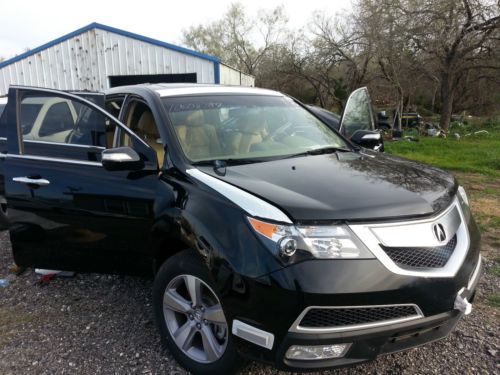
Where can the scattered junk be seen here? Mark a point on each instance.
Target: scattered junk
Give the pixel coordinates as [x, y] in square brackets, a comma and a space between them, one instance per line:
[432, 130]
[16, 270]
[479, 132]
[48, 275]
[383, 121]
[4, 283]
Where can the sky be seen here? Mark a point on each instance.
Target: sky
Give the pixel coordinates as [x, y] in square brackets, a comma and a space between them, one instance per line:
[30, 23]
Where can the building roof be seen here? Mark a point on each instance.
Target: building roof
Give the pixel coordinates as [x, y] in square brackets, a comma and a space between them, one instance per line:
[128, 34]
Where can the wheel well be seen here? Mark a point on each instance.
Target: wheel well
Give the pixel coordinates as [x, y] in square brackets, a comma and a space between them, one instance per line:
[165, 250]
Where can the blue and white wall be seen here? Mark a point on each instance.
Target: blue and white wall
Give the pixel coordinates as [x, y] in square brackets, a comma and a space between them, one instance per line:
[84, 59]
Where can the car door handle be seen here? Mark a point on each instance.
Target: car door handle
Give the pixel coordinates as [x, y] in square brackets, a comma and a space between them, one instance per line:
[31, 181]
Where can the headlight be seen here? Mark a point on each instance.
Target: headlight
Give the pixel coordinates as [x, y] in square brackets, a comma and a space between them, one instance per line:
[323, 242]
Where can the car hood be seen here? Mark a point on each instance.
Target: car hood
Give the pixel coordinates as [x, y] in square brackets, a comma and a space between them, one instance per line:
[345, 186]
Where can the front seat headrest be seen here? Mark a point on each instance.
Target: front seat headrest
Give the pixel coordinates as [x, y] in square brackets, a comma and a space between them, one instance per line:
[195, 118]
[146, 124]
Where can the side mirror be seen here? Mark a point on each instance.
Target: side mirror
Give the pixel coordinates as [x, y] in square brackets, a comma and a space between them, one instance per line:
[121, 159]
[368, 139]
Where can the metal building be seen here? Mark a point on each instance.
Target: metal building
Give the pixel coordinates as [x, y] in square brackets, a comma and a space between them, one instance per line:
[97, 57]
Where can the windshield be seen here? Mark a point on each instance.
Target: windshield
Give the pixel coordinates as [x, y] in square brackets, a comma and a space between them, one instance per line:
[222, 127]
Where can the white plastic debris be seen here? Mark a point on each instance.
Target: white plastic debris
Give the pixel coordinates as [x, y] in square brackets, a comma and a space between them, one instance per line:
[43, 272]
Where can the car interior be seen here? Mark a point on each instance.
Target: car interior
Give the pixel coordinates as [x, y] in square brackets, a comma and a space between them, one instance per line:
[140, 120]
[237, 132]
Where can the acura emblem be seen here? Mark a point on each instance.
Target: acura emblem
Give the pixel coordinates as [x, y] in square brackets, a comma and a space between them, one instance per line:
[439, 232]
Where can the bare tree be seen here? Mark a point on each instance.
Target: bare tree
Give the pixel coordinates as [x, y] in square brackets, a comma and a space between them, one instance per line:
[237, 39]
[457, 36]
[438, 54]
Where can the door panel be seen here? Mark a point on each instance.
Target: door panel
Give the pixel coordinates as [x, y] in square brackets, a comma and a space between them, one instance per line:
[86, 218]
[66, 211]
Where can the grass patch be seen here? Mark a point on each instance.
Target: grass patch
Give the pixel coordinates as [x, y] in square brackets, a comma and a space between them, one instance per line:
[494, 300]
[478, 154]
[495, 270]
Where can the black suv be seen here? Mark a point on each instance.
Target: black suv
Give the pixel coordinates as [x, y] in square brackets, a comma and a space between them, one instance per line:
[271, 236]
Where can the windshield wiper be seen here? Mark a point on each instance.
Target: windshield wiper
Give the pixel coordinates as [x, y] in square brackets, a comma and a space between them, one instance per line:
[220, 165]
[226, 162]
[321, 151]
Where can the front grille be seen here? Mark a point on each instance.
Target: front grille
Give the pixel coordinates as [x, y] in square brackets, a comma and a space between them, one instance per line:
[421, 257]
[350, 316]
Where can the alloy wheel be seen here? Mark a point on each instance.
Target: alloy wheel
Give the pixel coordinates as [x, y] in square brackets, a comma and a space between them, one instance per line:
[195, 319]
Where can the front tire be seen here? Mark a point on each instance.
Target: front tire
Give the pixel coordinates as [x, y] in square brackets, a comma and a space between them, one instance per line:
[191, 319]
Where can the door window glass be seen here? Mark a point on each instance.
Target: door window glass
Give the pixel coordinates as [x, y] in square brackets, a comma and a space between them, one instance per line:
[357, 113]
[141, 121]
[60, 120]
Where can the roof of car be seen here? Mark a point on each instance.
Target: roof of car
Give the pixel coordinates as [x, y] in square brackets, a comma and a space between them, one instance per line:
[182, 89]
[194, 89]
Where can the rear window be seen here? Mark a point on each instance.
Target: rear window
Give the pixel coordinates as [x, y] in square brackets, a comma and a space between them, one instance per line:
[30, 113]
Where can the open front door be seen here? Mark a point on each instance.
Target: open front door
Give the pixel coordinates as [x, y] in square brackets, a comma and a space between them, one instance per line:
[358, 123]
[64, 210]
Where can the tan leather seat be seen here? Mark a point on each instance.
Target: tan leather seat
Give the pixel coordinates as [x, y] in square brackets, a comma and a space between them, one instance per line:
[147, 130]
[252, 130]
[198, 139]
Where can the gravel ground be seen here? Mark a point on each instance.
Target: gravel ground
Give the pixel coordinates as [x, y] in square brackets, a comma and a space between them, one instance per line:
[101, 324]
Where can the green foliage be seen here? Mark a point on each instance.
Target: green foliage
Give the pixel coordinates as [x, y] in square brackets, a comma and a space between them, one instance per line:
[494, 300]
[495, 270]
[479, 154]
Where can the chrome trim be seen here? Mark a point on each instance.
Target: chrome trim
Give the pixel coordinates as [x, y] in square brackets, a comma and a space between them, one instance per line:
[119, 157]
[253, 334]
[475, 275]
[298, 329]
[63, 144]
[371, 137]
[215, 90]
[46, 158]
[248, 202]
[31, 181]
[418, 233]
[400, 234]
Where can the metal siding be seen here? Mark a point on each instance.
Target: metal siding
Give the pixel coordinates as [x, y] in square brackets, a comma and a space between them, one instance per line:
[233, 77]
[85, 61]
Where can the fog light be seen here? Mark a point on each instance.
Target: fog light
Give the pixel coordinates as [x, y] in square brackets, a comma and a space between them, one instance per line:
[318, 352]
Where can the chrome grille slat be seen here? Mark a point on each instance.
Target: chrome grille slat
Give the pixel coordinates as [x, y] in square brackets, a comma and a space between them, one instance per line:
[316, 318]
[418, 233]
[421, 257]
[324, 319]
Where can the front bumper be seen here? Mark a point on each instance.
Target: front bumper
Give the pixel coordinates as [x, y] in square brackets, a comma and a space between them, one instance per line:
[273, 303]
[368, 344]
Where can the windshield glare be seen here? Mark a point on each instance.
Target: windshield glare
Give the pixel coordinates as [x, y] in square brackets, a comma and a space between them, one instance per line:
[225, 127]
